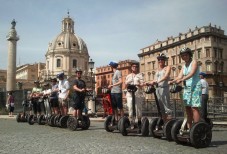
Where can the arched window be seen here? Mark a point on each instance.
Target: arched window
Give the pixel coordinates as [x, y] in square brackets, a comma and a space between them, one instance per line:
[74, 63]
[208, 65]
[58, 62]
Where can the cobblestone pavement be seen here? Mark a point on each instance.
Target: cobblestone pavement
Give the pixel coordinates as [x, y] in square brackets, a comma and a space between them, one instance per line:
[22, 138]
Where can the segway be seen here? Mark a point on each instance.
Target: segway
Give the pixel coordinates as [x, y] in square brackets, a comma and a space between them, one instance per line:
[124, 123]
[23, 117]
[158, 128]
[199, 136]
[32, 118]
[43, 119]
[74, 123]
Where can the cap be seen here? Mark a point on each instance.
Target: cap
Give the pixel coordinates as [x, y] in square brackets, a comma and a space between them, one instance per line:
[60, 75]
[46, 84]
[36, 81]
[202, 73]
[78, 70]
[113, 64]
[54, 80]
[162, 56]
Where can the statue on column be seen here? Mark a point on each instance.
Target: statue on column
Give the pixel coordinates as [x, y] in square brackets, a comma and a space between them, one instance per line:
[13, 24]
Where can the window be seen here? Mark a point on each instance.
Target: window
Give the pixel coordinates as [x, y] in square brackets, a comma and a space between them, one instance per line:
[179, 57]
[58, 62]
[199, 54]
[74, 63]
[207, 38]
[149, 76]
[220, 53]
[215, 53]
[173, 60]
[208, 52]
[153, 65]
[208, 67]
[47, 64]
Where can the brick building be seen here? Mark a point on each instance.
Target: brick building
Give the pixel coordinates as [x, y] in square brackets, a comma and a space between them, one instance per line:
[104, 74]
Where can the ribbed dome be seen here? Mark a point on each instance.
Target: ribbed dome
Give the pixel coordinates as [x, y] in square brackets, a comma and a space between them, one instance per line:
[67, 40]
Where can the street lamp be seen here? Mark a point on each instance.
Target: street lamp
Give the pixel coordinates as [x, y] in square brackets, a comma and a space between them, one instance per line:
[91, 66]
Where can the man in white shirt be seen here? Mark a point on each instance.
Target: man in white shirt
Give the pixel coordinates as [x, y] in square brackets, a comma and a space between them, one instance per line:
[205, 95]
[63, 89]
[135, 78]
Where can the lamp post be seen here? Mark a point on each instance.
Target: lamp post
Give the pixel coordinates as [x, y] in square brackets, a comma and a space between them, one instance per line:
[91, 66]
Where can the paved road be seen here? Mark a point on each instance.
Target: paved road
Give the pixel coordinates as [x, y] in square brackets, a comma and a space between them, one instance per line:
[22, 138]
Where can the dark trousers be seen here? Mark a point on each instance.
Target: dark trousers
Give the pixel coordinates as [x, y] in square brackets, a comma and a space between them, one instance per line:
[36, 106]
[204, 100]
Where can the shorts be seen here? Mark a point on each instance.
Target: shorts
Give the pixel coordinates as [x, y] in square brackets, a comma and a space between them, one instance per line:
[116, 100]
[11, 108]
[192, 96]
[54, 103]
[78, 103]
[62, 103]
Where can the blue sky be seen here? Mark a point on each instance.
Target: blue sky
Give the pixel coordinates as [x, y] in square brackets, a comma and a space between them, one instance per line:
[112, 29]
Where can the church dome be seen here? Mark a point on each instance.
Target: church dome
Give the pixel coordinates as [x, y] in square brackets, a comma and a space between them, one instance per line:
[67, 41]
[66, 52]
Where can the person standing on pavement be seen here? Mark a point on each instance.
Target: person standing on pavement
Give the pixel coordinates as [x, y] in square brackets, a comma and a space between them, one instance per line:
[135, 78]
[79, 87]
[116, 92]
[205, 95]
[10, 102]
[162, 77]
[63, 89]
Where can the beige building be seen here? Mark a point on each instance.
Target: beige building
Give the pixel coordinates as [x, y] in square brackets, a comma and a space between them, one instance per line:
[66, 52]
[27, 74]
[104, 75]
[209, 44]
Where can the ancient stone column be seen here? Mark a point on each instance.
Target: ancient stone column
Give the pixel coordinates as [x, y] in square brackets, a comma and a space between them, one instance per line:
[12, 53]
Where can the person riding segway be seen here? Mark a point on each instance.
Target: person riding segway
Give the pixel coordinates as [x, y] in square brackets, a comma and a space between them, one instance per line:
[161, 126]
[60, 120]
[112, 121]
[44, 118]
[135, 96]
[191, 129]
[37, 102]
[77, 120]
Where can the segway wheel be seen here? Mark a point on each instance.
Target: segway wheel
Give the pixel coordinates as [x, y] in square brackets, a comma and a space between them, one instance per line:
[200, 135]
[176, 130]
[25, 117]
[18, 117]
[57, 120]
[145, 127]
[85, 122]
[152, 127]
[209, 122]
[119, 124]
[72, 123]
[51, 120]
[63, 121]
[31, 120]
[41, 120]
[167, 129]
[107, 123]
[124, 125]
